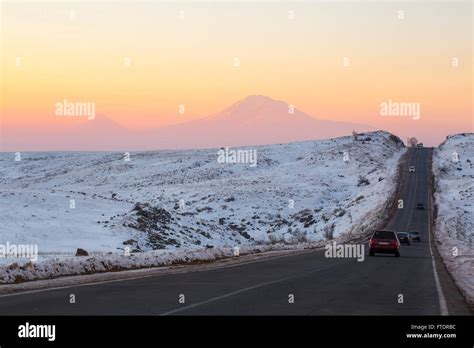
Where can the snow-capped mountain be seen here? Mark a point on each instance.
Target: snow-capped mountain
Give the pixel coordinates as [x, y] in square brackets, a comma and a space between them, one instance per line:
[254, 120]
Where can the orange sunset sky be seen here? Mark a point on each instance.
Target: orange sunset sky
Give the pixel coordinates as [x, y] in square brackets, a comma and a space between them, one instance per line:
[184, 53]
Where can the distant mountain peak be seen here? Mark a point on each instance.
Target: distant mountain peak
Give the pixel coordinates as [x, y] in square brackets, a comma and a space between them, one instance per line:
[257, 97]
[253, 120]
[256, 100]
[254, 107]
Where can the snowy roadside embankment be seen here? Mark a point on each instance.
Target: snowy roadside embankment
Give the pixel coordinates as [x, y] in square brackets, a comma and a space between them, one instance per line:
[183, 206]
[57, 267]
[453, 169]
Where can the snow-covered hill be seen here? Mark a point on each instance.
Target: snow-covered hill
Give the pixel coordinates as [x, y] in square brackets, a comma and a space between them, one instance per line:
[453, 168]
[299, 192]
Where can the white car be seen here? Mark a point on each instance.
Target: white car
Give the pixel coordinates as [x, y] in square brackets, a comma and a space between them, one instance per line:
[411, 169]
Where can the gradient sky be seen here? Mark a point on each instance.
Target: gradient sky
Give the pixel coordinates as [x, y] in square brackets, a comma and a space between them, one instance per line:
[80, 57]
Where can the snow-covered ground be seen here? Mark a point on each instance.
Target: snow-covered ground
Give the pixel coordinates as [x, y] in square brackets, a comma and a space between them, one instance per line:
[305, 192]
[453, 167]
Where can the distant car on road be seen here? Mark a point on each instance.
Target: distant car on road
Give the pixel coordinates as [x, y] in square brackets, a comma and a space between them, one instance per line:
[384, 242]
[420, 206]
[404, 238]
[411, 169]
[415, 236]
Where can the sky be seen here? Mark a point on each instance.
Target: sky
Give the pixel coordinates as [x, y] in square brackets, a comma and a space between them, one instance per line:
[150, 64]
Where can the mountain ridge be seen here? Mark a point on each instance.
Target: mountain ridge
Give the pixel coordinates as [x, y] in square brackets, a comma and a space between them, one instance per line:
[253, 120]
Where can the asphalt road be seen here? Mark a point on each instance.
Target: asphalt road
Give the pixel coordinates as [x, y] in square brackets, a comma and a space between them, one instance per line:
[320, 285]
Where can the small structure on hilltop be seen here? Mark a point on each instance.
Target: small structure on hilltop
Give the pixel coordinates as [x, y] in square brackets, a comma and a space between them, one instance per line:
[412, 142]
[354, 134]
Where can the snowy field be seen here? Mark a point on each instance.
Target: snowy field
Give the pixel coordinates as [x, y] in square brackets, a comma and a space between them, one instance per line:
[173, 201]
[453, 167]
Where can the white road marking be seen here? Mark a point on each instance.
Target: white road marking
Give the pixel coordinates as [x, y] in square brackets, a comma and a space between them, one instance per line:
[442, 300]
[159, 275]
[247, 289]
[414, 196]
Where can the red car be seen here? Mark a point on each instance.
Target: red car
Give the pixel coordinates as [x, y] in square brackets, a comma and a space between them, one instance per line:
[384, 242]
